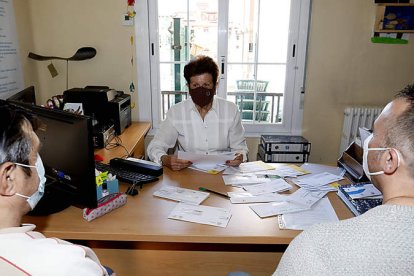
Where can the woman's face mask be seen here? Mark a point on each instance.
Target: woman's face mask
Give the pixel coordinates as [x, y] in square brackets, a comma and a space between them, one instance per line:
[202, 96]
[34, 198]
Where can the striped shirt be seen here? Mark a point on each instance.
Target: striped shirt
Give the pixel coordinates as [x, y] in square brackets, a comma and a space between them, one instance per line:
[220, 131]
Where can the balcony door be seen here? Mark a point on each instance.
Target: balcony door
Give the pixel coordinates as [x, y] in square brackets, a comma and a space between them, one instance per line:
[260, 46]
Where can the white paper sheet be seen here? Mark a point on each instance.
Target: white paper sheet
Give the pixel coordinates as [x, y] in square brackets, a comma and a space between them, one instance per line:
[246, 179]
[318, 182]
[201, 214]
[275, 185]
[211, 163]
[305, 197]
[245, 197]
[318, 168]
[198, 158]
[181, 194]
[255, 166]
[322, 211]
[276, 208]
[285, 171]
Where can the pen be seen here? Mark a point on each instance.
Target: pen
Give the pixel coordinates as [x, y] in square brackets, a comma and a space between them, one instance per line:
[214, 192]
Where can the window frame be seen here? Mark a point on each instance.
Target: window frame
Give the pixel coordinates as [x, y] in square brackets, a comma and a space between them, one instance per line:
[147, 43]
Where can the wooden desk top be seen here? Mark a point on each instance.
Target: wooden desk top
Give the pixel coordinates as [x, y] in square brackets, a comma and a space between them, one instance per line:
[130, 139]
[145, 218]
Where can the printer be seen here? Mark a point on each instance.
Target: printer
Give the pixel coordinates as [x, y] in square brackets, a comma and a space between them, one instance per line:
[107, 107]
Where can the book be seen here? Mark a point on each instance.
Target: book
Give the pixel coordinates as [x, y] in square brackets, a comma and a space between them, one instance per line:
[357, 204]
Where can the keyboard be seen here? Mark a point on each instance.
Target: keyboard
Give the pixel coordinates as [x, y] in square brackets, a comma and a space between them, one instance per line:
[124, 175]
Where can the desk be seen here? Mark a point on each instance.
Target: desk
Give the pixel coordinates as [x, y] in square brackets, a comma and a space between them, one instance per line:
[133, 141]
[139, 239]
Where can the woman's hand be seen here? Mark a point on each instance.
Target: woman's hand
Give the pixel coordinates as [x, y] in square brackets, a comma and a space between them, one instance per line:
[236, 161]
[174, 163]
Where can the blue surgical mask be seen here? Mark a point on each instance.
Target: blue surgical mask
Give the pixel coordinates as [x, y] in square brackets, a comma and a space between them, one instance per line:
[366, 149]
[34, 198]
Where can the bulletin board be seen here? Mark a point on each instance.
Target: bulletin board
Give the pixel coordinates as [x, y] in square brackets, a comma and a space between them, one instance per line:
[11, 79]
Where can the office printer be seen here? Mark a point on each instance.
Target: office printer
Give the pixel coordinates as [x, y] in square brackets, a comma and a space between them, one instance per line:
[106, 106]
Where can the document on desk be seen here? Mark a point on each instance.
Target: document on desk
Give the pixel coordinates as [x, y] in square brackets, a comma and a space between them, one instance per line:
[201, 214]
[318, 181]
[285, 171]
[275, 185]
[264, 210]
[245, 197]
[245, 179]
[305, 197]
[318, 168]
[211, 163]
[181, 194]
[321, 212]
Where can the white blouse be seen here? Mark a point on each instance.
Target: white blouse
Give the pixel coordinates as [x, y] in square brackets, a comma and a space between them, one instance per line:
[220, 131]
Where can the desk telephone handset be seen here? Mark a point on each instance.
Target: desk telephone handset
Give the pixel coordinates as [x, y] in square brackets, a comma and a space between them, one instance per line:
[137, 165]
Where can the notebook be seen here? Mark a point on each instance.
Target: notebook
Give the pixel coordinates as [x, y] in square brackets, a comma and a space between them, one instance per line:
[359, 205]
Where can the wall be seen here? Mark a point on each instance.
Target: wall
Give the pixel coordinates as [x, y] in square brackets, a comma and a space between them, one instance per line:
[343, 66]
[59, 28]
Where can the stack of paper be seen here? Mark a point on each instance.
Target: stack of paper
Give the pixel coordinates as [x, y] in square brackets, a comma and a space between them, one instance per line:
[318, 182]
[245, 179]
[210, 163]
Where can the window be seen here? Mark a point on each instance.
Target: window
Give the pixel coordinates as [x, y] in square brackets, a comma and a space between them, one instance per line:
[260, 46]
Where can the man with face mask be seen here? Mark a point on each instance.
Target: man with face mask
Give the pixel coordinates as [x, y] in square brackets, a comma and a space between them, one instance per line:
[380, 241]
[203, 124]
[22, 183]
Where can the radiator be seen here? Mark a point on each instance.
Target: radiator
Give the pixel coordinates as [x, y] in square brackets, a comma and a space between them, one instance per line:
[354, 118]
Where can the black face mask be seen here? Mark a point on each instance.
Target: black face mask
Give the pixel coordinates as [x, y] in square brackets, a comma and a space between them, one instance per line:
[202, 96]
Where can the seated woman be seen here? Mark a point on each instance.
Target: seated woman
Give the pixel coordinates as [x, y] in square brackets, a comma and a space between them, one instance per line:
[203, 124]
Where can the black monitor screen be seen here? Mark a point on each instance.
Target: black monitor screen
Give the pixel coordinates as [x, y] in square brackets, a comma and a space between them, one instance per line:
[27, 95]
[67, 153]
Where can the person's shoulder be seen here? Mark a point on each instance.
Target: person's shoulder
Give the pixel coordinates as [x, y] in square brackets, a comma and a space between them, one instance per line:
[178, 107]
[224, 103]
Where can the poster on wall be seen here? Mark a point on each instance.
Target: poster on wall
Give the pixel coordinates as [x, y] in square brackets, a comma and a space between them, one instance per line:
[11, 79]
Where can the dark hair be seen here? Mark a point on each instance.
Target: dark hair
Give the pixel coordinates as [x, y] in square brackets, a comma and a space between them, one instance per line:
[400, 130]
[201, 65]
[15, 144]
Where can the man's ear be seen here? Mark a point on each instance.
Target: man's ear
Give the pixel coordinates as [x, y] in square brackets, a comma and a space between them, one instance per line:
[8, 176]
[390, 161]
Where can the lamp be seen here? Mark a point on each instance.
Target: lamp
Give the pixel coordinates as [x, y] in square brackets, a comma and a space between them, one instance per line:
[81, 54]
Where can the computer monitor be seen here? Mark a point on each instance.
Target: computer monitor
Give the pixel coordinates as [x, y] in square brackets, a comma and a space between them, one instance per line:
[67, 153]
[27, 95]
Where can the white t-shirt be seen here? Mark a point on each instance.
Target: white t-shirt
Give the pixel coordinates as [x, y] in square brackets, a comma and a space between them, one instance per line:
[220, 131]
[25, 252]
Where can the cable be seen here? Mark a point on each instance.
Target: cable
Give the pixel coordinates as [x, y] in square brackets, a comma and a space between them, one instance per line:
[117, 143]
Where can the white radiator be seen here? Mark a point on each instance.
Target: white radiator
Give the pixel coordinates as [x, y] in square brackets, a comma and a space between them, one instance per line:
[354, 118]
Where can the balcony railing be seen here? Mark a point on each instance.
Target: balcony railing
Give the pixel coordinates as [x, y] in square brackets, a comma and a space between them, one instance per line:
[266, 104]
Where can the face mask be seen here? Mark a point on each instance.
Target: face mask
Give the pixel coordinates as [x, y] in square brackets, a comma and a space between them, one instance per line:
[201, 96]
[34, 198]
[366, 149]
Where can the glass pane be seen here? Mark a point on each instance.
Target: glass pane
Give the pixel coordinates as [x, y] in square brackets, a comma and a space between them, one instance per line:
[178, 25]
[203, 28]
[242, 30]
[275, 75]
[273, 31]
[173, 86]
[172, 30]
